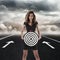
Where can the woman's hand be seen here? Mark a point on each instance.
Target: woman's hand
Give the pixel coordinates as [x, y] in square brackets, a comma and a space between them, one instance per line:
[39, 37]
[22, 37]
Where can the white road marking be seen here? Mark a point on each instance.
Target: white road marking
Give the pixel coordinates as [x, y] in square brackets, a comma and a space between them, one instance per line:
[6, 37]
[9, 42]
[52, 39]
[47, 43]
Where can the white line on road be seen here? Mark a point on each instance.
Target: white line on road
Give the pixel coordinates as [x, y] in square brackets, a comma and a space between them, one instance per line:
[6, 37]
[9, 42]
[47, 43]
[52, 39]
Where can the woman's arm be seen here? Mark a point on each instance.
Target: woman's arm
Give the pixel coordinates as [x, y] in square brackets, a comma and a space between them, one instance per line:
[39, 33]
[23, 28]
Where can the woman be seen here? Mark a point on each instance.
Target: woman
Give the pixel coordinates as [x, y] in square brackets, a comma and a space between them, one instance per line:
[30, 24]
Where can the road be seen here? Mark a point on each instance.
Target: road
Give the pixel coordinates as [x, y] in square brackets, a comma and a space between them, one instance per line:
[11, 48]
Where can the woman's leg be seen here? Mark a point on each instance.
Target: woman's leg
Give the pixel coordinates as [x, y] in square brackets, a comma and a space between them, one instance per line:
[25, 53]
[36, 55]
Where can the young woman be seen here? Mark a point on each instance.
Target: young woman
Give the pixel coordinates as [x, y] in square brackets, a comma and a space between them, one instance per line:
[30, 24]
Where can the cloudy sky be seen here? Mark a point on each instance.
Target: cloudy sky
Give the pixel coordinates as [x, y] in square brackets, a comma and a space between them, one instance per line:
[47, 13]
[45, 5]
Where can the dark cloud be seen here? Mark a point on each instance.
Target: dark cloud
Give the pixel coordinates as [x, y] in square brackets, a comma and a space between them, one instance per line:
[36, 6]
[8, 3]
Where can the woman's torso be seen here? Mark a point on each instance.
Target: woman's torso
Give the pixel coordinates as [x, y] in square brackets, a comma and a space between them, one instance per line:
[30, 28]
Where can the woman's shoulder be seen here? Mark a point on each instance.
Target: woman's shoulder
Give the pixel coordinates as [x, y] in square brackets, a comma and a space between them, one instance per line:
[25, 23]
[36, 22]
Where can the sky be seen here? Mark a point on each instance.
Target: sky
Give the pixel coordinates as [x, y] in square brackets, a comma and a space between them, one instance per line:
[47, 12]
[47, 5]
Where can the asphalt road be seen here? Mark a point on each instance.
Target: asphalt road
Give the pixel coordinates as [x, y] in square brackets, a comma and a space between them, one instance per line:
[11, 48]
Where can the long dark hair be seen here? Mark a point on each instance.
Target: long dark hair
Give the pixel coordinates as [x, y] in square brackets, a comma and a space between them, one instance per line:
[27, 17]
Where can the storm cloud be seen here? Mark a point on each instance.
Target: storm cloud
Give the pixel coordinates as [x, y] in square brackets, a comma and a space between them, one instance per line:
[43, 5]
